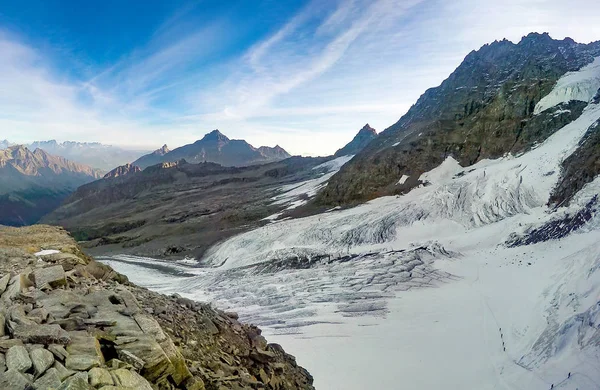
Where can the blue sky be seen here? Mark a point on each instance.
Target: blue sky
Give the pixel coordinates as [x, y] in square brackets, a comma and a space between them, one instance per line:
[306, 75]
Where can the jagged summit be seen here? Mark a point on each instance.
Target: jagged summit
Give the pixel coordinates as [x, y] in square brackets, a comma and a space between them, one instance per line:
[484, 109]
[123, 170]
[214, 135]
[360, 140]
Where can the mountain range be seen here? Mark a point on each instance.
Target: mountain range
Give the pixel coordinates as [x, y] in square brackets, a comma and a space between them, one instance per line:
[217, 148]
[93, 154]
[34, 183]
[359, 142]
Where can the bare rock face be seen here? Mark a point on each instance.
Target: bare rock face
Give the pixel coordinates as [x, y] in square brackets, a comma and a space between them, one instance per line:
[484, 109]
[123, 170]
[89, 328]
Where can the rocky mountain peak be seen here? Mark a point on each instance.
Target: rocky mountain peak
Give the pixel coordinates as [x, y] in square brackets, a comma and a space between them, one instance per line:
[367, 129]
[162, 151]
[215, 135]
[360, 140]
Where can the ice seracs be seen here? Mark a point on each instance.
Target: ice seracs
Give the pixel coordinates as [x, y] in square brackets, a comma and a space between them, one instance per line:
[581, 85]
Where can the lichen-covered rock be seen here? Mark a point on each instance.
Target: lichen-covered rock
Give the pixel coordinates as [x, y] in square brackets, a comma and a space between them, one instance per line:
[17, 358]
[100, 377]
[14, 380]
[50, 380]
[42, 360]
[126, 378]
[53, 276]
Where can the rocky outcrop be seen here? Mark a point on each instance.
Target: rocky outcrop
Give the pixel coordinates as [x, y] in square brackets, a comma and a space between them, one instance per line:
[216, 147]
[72, 323]
[359, 142]
[485, 109]
[123, 170]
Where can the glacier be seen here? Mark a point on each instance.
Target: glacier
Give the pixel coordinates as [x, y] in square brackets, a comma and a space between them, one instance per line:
[422, 291]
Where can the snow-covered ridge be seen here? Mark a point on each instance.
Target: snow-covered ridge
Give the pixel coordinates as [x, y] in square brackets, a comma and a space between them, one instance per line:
[581, 85]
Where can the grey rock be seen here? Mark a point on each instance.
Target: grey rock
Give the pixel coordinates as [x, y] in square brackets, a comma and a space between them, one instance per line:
[14, 380]
[38, 315]
[50, 380]
[5, 345]
[42, 334]
[42, 360]
[82, 362]
[18, 359]
[126, 378]
[62, 371]
[100, 377]
[2, 324]
[4, 283]
[128, 357]
[58, 351]
[53, 276]
[75, 383]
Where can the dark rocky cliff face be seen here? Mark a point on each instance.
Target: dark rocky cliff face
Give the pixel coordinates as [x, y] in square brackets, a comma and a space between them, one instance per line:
[359, 142]
[483, 110]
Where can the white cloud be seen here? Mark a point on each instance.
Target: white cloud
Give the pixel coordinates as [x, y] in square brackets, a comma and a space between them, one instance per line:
[309, 86]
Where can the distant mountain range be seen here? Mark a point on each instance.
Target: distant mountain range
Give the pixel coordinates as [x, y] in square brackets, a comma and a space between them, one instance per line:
[34, 183]
[94, 154]
[217, 148]
[5, 144]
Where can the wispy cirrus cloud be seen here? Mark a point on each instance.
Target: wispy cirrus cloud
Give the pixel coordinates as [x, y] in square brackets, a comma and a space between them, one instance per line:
[308, 84]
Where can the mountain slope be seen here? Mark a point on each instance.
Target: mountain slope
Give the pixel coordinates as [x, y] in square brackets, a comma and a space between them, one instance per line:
[153, 158]
[34, 183]
[5, 144]
[485, 109]
[359, 142]
[217, 148]
[181, 209]
[94, 154]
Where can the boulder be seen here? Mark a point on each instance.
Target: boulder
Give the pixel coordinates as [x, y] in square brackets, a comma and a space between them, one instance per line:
[50, 380]
[62, 371]
[4, 283]
[53, 276]
[82, 362]
[100, 377]
[58, 351]
[17, 358]
[75, 383]
[41, 334]
[126, 378]
[5, 345]
[14, 380]
[130, 358]
[42, 360]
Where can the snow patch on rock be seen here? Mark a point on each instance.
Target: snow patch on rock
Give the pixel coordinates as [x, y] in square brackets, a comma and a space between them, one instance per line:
[581, 85]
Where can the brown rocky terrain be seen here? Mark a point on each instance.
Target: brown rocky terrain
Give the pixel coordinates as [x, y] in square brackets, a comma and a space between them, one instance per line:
[484, 109]
[173, 210]
[68, 322]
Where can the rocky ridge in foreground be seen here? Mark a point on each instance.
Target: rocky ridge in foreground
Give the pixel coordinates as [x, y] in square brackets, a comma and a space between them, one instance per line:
[69, 322]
